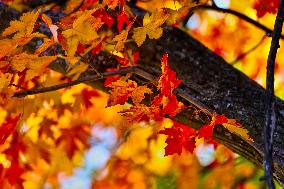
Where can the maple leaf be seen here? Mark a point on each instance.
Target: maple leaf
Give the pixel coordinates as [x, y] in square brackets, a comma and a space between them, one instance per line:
[167, 82]
[177, 15]
[206, 131]
[151, 27]
[104, 16]
[262, 7]
[121, 20]
[35, 65]
[44, 46]
[8, 127]
[24, 26]
[122, 90]
[179, 136]
[141, 112]
[84, 30]
[7, 46]
[5, 79]
[171, 106]
[121, 38]
[88, 95]
[236, 128]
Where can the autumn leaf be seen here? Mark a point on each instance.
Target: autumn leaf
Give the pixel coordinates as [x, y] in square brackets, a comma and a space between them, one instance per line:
[44, 46]
[84, 30]
[179, 136]
[121, 38]
[104, 16]
[35, 65]
[121, 20]
[77, 70]
[5, 79]
[167, 82]
[262, 7]
[177, 15]
[151, 27]
[206, 131]
[8, 127]
[236, 128]
[7, 46]
[141, 112]
[23, 27]
[122, 90]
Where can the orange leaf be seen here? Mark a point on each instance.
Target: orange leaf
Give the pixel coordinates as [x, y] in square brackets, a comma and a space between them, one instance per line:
[141, 112]
[122, 90]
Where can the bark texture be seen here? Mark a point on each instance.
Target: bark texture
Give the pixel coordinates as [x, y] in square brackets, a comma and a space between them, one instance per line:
[211, 81]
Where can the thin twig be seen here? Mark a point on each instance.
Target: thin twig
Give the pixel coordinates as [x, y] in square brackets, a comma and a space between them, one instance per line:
[72, 83]
[241, 56]
[269, 100]
[267, 30]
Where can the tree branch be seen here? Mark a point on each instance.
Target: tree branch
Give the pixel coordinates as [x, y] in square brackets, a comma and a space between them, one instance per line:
[269, 100]
[72, 83]
[267, 30]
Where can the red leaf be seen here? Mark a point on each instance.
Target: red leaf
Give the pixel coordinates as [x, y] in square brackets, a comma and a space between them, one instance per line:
[97, 49]
[111, 79]
[179, 136]
[88, 95]
[14, 172]
[7, 128]
[207, 130]
[80, 48]
[168, 81]
[122, 61]
[104, 16]
[121, 20]
[136, 57]
[172, 107]
[263, 6]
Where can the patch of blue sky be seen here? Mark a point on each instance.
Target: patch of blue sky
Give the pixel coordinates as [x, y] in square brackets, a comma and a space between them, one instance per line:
[222, 3]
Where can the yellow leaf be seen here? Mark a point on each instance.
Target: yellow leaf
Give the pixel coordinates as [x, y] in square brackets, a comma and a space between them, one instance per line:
[7, 46]
[24, 26]
[236, 128]
[5, 79]
[151, 27]
[78, 70]
[176, 15]
[35, 65]
[121, 38]
[46, 19]
[45, 45]
[84, 30]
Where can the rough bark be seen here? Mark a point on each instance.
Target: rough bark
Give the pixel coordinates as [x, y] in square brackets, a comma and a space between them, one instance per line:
[211, 81]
